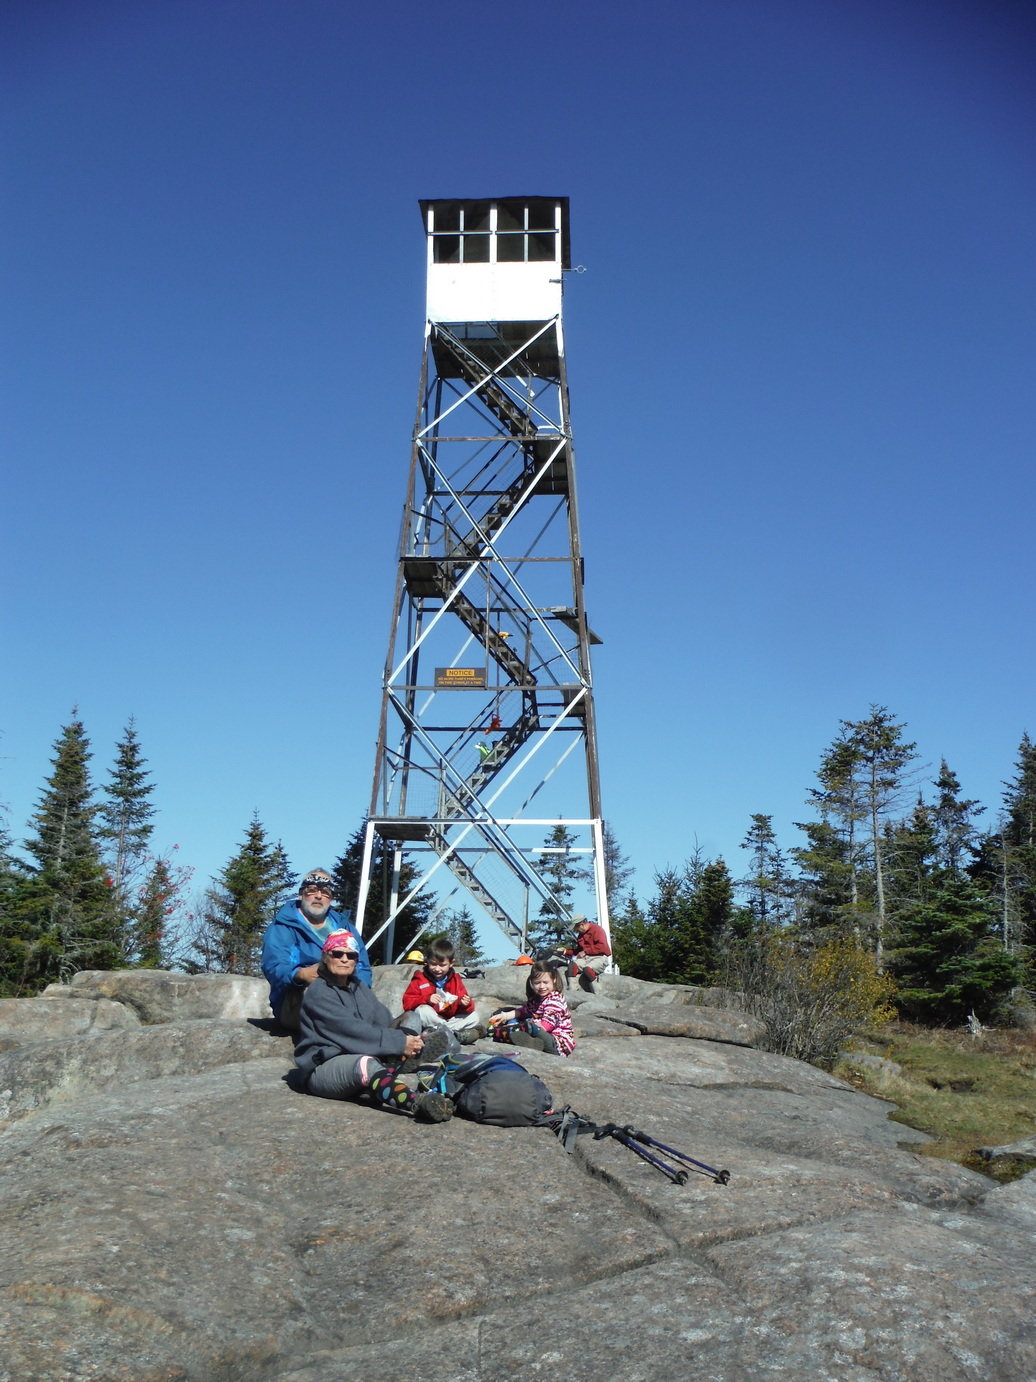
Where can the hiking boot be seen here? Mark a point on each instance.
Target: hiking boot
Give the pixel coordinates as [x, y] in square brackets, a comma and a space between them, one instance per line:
[586, 980]
[433, 1107]
[573, 971]
[436, 1044]
[467, 1035]
[520, 1038]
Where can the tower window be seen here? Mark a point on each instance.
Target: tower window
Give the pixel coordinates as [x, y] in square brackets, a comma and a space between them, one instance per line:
[525, 234]
[463, 233]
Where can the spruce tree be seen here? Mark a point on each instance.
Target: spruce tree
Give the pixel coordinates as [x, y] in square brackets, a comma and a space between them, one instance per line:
[154, 938]
[828, 882]
[561, 870]
[952, 819]
[12, 945]
[839, 799]
[125, 814]
[617, 870]
[346, 873]
[460, 929]
[630, 939]
[414, 918]
[862, 777]
[947, 959]
[768, 886]
[666, 930]
[241, 903]
[64, 920]
[883, 756]
[1019, 845]
[911, 847]
[711, 913]
[677, 939]
[152, 910]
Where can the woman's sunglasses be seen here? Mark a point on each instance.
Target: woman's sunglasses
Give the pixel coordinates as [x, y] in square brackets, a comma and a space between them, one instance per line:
[344, 954]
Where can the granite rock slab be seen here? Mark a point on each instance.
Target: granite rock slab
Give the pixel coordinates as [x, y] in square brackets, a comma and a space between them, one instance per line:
[204, 1222]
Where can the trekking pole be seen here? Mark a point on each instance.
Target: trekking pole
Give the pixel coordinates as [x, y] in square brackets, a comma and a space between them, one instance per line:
[720, 1177]
[622, 1135]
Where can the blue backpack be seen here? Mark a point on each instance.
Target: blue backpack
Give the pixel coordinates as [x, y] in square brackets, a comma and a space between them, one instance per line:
[499, 1091]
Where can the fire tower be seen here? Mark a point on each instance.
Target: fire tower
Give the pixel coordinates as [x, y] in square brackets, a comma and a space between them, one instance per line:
[487, 737]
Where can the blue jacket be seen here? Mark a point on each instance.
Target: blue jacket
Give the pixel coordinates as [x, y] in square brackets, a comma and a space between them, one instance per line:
[290, 943]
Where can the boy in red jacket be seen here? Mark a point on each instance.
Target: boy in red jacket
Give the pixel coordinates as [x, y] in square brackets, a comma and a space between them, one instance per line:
[437, 996]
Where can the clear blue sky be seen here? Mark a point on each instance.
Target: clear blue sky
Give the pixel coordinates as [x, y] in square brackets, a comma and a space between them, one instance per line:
[801, 358]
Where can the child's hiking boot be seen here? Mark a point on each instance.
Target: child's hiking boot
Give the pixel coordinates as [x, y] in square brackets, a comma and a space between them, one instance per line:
[520, 1038]
[433, 1107]
[467, 1035]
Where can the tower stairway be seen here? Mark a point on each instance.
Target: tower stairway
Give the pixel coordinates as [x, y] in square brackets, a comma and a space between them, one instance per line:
[467, 366]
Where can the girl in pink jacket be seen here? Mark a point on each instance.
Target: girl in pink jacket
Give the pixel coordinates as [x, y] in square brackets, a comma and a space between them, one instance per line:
[543, 1022]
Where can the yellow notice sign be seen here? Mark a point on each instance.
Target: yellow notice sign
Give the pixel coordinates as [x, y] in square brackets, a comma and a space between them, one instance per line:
[461, 676]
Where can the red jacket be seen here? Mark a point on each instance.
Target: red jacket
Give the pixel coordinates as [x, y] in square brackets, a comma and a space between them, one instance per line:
[421, 988]
[593, 941]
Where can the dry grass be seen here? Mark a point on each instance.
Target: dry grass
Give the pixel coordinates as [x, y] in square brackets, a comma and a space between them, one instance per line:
[965, 1092]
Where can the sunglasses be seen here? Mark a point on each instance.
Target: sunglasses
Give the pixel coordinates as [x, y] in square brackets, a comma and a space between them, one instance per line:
[344, 954]
[320, 885]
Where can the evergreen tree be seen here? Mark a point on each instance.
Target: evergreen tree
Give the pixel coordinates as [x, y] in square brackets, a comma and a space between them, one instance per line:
[12, 880]
[664, 935]
[617, 870]
[999, 869]
[862, 777]
[828, 882]
[834, 883]
[839, 799]
[151, 912]
[911, 847]
[414, 918]
[155, 908]
[1019, 847]
[882, 756]
[952, 820]
[630, 936]
[241, 903]
[346, 873]
[711, 915]
[460, 929]
[125, 815]
[768, 886]
[677, 939]
[63, 920]
[947, 960]
[562, 870]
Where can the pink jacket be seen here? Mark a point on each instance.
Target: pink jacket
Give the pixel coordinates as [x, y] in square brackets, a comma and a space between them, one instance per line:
[553, 1016]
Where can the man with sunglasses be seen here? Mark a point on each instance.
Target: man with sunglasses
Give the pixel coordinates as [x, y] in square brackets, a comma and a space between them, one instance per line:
[293, 943]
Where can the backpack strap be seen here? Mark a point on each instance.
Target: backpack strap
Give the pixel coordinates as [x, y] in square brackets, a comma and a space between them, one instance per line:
[567, 1125]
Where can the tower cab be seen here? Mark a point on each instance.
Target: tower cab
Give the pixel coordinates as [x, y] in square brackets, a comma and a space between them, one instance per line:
[498, 260]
